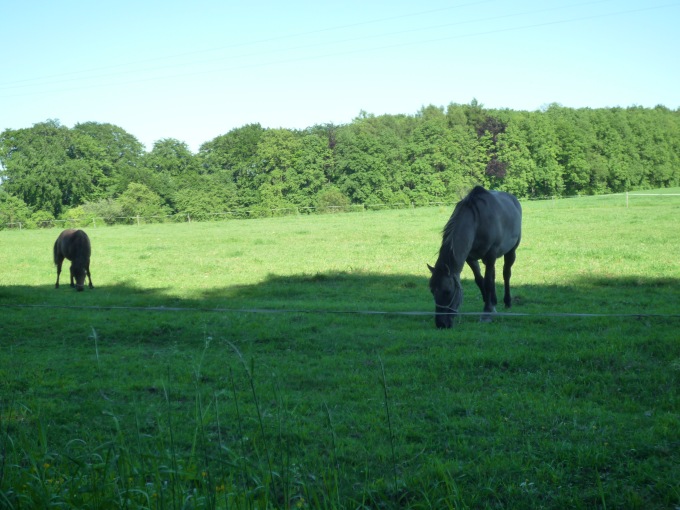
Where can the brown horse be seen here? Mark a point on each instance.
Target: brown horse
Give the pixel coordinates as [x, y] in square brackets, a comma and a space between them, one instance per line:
[75, 246]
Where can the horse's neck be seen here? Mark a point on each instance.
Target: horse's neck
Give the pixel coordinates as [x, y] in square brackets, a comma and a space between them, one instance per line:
[458, 243]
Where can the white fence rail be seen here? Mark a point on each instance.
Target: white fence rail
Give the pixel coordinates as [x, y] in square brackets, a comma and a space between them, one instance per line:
[280, 211]
[235, 214]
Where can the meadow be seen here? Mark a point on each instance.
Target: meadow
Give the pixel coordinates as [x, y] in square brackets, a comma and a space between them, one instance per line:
[293, 363]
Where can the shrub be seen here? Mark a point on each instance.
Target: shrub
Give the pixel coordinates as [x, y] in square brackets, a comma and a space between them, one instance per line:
[14, 213]
[332, 200]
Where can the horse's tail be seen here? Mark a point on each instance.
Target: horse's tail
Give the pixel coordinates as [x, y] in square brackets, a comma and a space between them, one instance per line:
[55, 251]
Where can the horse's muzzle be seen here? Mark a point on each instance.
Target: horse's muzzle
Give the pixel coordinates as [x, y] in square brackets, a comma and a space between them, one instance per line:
[443, 320]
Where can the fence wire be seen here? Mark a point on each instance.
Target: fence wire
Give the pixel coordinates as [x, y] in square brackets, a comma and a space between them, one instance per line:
[300, 311]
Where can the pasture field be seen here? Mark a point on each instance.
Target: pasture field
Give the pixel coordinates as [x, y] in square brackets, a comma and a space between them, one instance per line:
[235, 365]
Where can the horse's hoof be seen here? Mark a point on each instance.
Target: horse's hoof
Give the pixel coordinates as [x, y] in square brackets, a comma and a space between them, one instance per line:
[487, 316]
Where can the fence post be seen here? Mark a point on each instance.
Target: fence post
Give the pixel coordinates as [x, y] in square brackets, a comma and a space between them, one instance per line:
[626, 199]
[94, 222]
[138, 220]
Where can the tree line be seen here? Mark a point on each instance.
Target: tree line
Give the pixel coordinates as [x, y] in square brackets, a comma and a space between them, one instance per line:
[98, 170]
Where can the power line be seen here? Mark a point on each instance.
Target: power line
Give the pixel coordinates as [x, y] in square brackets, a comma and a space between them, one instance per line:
[312, 57]
[249, 43]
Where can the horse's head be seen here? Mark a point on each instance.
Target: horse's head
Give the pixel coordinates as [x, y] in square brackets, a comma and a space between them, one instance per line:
[448, 294]
[78, 273]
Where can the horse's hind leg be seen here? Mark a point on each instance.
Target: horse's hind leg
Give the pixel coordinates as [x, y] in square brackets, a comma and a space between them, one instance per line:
[507, 272]
[87, 272]
[59, 262]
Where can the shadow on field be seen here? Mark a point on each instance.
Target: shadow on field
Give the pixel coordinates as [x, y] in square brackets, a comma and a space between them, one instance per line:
[343, 291]
[408, 293]
[330, 291]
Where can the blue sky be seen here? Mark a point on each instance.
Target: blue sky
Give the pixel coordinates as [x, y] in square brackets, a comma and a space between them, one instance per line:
[196, 70]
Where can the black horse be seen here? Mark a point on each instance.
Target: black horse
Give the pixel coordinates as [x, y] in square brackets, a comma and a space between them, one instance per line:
[75, 246]
[484, 226]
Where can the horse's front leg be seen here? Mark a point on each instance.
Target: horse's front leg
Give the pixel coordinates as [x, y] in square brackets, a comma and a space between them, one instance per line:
[507, 272]
[479, 280]
[490, 290]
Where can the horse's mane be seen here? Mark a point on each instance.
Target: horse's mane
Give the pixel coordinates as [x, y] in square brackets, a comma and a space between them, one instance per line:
[81, 244]
[467, 203]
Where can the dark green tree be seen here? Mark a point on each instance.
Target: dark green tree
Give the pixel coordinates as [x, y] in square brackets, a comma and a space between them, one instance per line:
[444, 158]
[371, 159]
[543, 144]
[172, 167]
[233, 156]
[514, 153]
[206, 196]
[44, 167]
[115, 156]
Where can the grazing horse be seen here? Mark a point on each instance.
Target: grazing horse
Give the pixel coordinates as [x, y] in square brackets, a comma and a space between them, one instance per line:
[484, 225]
[75, 246]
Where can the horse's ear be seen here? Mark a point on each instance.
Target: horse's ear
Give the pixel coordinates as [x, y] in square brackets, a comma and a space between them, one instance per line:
[430, 268]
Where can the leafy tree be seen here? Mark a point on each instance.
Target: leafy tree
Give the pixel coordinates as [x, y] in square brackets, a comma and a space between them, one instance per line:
[42, 166]
[428, 154]
[543, 144]
[205, 197]
[172, 166]
[313, 170]
[513, 152]
[13, 211]
[371, 160]
[434, 155]
[445, 158]
[273, 174]
[656, 134]
[232, 153]
[139, 201]
[232, 157]
[116, 155]
[456, 115]
[575, 152]
[172, 157]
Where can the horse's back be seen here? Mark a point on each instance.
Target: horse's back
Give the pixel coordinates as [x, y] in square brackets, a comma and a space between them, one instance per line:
[510, 211]
[71, 244]
[499, 228]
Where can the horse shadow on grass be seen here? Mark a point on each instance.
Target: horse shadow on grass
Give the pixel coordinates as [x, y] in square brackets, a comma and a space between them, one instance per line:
[343, 291]
[371, 292]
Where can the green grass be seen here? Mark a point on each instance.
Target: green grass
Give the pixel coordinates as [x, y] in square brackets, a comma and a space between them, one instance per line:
[214, 403]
